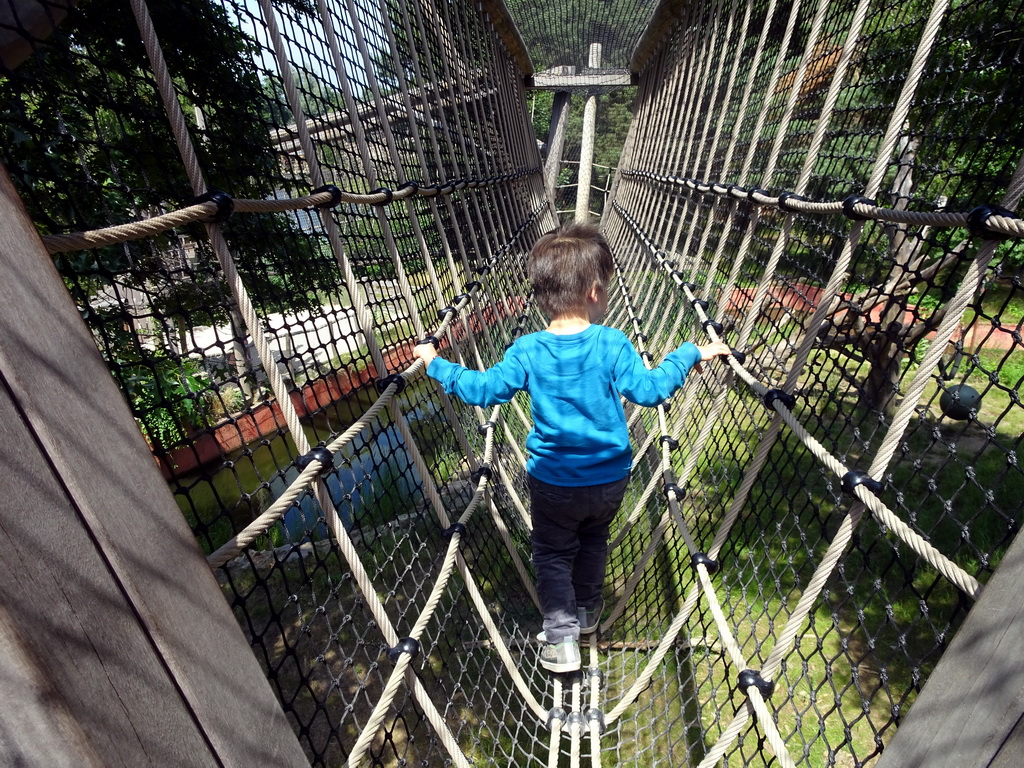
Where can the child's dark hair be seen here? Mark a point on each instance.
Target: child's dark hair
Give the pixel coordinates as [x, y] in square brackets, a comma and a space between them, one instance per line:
[565, 264]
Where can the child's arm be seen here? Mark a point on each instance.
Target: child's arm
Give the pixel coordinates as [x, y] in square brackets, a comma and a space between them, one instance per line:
[497, 384]
[651, 387]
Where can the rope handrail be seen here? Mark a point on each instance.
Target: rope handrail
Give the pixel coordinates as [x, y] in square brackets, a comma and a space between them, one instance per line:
[993, 220]
[234, 546]
[223, 205]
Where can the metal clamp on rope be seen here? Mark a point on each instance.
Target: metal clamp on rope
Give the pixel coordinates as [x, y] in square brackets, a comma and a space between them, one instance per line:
[487, 425]
[977, 221]
[387, 381]
[692, 287]
[670, 441]
[784, 204]
[673, 490]
[483, 471]
[409, 185]
[443, 313]
[430, 340]
[756, 191]
[783, 397]
[641, 336]
[702, 303]
[740, 357]
[737, 192]
[575, 719]
[454, 528]
[848, 207]
[856, 477]
[752, 677]
[709, 323]
[388, 195]
[333, 191]
[556, 714]
[472, 286]
[596, 675]
[321, 454]
[595, 715]
[460, 298]
[225, 204]
[647, 356]
[405, 645]
[699, 558]
[483, 270]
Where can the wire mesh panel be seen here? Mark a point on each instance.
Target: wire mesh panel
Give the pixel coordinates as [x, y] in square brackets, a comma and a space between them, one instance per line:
[824, 185]
[260, 206]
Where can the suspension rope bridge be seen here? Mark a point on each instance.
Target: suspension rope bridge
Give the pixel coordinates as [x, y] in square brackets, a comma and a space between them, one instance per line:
[697, 580]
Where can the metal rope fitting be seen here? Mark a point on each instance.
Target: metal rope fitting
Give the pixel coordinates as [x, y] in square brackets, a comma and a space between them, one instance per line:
[741, 357]
[647, 356]
[784, 199]
[225, 204]
[670, 441]
[702, 303]
[334, 192]
[595, 715]
[756, 191]
[430, 340]
[406, 185]
[856, 477]
[482, 428]
[445, 311]
[556, 714]
[783, 397]
[321, 454]
[388, 195]
[977, 221]
[737, 192]
[460, 298]
[671, 489]
[852, 200]
[484, 471]
[387, 381]
[405, 645]
[472, 286]
[575, 718]
[752, 677]
[709, 323]
[699, 558]
[454, 528]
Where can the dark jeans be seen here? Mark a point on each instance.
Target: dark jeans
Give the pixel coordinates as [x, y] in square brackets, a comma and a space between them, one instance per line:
[570, 549]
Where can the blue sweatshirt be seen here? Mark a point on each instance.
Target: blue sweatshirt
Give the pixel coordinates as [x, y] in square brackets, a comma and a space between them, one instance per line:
[579, 434]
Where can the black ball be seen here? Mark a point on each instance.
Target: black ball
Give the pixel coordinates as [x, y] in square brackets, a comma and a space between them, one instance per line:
[958, 401]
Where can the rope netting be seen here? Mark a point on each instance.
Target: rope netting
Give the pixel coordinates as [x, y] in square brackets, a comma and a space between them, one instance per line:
[827, 187]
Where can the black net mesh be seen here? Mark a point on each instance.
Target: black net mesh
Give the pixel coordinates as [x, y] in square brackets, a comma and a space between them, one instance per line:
[423, 101]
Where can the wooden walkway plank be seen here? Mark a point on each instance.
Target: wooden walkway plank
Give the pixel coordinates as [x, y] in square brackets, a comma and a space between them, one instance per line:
[113, 611]
[969, 713]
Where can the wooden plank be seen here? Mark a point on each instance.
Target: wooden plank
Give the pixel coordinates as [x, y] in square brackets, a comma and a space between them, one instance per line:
[969, 712]
[70, 405]
[82, 684]
[586, 81]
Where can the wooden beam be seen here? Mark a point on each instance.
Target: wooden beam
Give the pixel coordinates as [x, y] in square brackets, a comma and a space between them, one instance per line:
[117, 647]
[970, 711]
[587, 80]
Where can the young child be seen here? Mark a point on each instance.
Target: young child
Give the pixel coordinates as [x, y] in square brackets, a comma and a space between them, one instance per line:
[579, 455]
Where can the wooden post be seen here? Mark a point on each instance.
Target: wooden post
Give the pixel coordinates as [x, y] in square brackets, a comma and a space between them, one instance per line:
[587, 146]
[117, 647]
[971, 711]
[556, 140]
